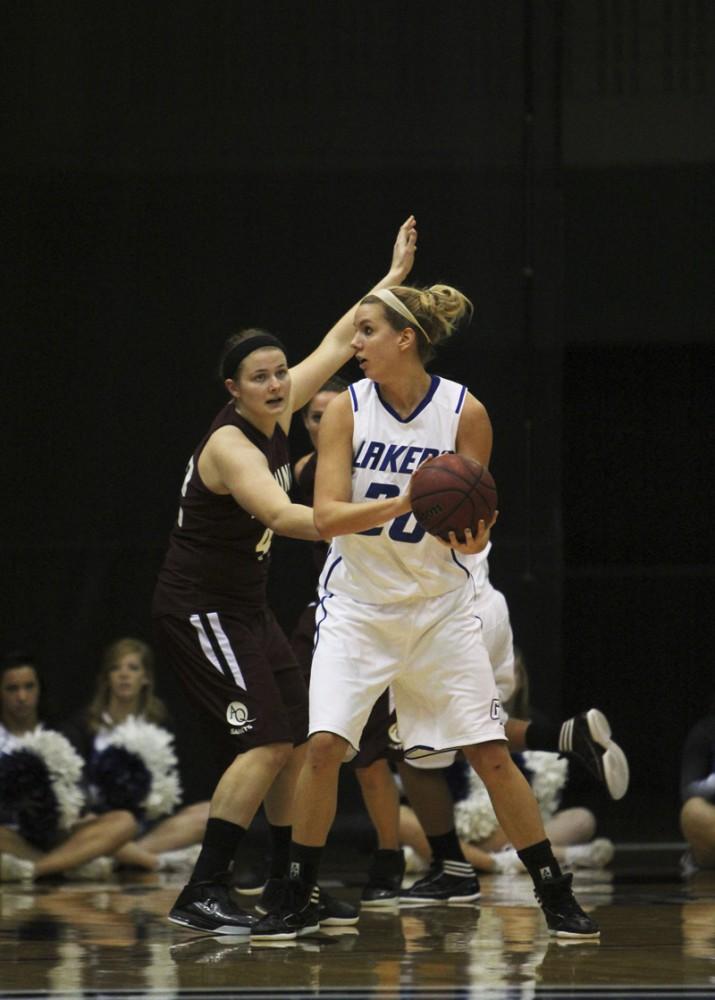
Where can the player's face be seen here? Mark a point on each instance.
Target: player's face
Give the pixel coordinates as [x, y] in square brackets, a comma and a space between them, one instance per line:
[127, 678]
[375, 342]
[19, 695]
[263, 384]
[314, 414]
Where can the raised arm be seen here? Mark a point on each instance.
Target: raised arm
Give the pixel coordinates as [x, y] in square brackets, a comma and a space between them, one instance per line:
[231, 464]
[334, 349]
[334, 511]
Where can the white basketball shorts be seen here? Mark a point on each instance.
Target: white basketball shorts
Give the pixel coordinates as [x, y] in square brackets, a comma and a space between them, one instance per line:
[491, 608]
[430, 652]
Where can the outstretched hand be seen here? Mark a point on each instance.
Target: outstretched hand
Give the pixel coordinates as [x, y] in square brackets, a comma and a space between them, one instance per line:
[403, 252]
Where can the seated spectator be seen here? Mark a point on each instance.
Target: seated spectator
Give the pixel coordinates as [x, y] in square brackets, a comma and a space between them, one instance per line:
[124, 738]
[697, 793]
[45, 828]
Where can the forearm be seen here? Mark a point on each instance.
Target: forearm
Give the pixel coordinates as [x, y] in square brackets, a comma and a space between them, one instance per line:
[336, 343]
[295, 521]
[334, 349]
[338, 517]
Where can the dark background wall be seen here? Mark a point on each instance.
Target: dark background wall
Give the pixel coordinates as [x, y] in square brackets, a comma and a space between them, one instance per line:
[176, 171]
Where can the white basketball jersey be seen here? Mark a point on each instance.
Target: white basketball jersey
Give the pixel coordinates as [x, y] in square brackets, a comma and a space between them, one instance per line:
[398, 561]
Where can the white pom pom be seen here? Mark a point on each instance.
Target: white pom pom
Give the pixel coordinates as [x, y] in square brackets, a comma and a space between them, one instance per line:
[155, 747]
[65, 767]
[549, 774]
[474, 815]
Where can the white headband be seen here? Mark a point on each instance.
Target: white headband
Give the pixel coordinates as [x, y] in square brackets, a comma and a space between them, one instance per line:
[391, 300]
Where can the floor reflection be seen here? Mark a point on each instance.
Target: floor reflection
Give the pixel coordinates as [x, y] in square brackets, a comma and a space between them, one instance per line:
[70, 939]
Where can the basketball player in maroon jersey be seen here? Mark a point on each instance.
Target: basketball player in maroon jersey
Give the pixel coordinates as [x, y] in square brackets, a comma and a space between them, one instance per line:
[212, 622]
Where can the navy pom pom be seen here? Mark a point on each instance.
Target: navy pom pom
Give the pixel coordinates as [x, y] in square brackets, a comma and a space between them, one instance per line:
[120, 779]
[27, 795]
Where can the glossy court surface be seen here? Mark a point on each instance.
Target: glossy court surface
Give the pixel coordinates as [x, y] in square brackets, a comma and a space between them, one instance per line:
[112, 939]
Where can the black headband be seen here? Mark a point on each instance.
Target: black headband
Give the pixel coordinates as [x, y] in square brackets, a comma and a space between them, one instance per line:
[245, 347]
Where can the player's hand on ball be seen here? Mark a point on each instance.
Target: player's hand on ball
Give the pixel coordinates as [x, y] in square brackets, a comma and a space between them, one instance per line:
[472, 543]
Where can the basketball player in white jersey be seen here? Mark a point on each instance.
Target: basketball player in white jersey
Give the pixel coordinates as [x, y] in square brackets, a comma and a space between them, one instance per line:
[396, 605]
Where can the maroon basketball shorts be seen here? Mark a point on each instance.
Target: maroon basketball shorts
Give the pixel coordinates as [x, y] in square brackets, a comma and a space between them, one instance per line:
[379, 738]
[240, 672]
[302, 638]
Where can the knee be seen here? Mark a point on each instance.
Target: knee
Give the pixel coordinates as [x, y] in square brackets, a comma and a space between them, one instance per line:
[583, 824]
[198, 811]
[326, 752]
[697, 819]
[124, 824]
[196, 815]
[491, 760]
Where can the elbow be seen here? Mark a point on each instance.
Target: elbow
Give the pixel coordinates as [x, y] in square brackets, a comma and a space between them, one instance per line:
[322, 525]
[274, 522]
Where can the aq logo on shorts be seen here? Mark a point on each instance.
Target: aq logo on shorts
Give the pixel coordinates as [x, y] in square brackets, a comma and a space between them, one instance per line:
[237, 718]
[393, 736]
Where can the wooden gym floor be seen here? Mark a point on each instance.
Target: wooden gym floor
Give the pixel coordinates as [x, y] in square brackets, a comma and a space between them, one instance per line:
[111, 939]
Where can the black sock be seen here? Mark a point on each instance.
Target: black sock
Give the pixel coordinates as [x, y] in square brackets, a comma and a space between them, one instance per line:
[280, 850]
[304, 863]
[387, 864]
[219, 846]
[540, 863]
[543, 736]
[446, 847]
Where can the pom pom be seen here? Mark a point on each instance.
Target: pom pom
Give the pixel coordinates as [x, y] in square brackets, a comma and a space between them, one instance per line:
[547, 774]
[40, 785]
[119, 779]
[137, 770]
[474, 817]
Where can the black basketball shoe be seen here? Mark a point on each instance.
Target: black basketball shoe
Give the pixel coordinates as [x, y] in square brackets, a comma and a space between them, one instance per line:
[295, 911]
[332, 912]
[207, 906]
[445, 882]
[564, 916]
[588, 737]
[384, 880]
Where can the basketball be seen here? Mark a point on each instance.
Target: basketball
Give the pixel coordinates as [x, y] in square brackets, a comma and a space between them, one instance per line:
[452, 493]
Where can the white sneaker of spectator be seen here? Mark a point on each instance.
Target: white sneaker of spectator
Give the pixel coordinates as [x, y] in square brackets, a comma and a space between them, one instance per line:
[181, 860]
[14, 869]
[596, 854]
[97, 870]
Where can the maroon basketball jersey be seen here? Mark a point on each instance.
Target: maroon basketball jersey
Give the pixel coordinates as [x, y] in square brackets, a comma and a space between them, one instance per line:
[306, 486]
[306, 480]
[218, 553]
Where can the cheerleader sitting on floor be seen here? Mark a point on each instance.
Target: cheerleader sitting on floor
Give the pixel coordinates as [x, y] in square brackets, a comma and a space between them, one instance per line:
[131, 763]
[44, 826]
